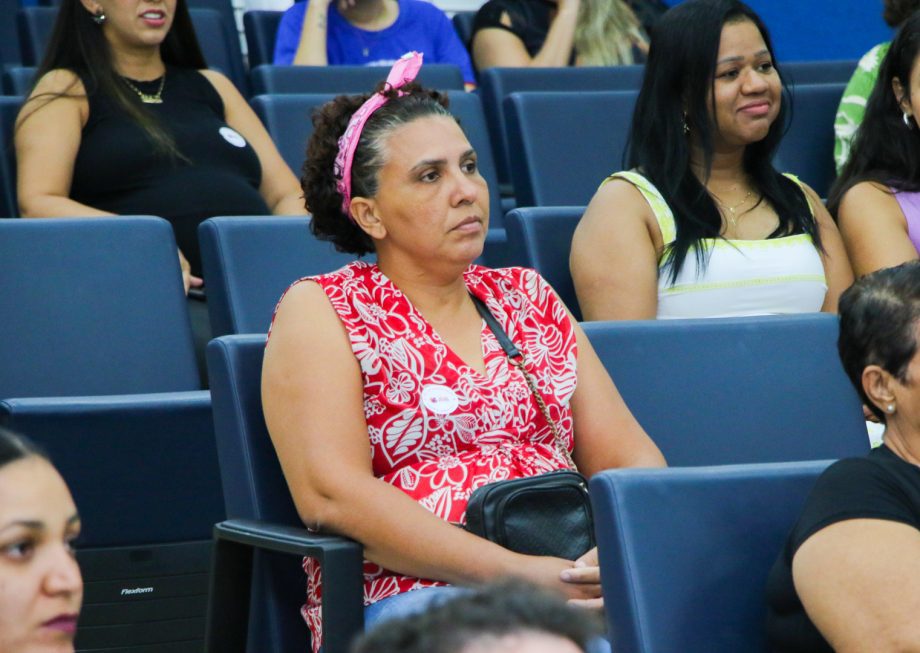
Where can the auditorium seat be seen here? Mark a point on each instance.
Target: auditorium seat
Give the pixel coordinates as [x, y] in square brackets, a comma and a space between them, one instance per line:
[336, 80]
[248, 262]
[260, 28]
[463, 25]
[17, 80]
[288, 119]
[685, 553]
[262, 519]
[9, 109]
[99, 368]
[807, 148]
[736, 390]
[9, 36]
[818, 72]
[541, 238]
[496, 84]
[562, 145]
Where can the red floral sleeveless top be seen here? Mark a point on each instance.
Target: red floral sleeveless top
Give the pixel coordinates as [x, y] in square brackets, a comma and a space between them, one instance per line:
[438, 428]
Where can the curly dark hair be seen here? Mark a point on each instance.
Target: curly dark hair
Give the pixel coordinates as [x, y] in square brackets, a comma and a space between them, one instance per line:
[507, 608]
[329, 122]
[897, 11]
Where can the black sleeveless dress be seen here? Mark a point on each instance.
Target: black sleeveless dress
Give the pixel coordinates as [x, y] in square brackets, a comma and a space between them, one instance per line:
[118, 169]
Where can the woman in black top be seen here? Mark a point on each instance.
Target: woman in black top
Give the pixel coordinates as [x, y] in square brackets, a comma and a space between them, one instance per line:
[549, 33]
[125, 119]
[849, 576]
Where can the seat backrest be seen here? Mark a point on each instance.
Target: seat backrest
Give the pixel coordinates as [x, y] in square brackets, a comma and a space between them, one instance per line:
[9, 109]
[220, 44]
[17, 80]
[288, 119]
[34, 26]
[9, 37]
[736, 390]
[541, 238]
[92, 306]
[260, 28]
[685, 553]
[254, 487]
[336, 80]
[807, 149]
[248, 263]
[496, 84]
[463, 25]
[818, 72]
[562, 145]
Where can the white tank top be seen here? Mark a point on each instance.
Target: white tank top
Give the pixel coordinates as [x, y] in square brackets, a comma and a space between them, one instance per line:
[743, 277]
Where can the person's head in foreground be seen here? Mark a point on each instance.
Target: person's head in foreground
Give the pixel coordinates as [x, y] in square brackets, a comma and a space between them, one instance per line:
[879, 326]
[41, 589]
[511, 617]
[407, 185]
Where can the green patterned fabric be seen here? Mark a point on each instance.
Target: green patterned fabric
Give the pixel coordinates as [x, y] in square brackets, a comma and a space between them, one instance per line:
[853, 103]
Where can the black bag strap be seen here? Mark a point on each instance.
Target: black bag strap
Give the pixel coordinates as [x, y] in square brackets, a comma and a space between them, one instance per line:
[516, 358]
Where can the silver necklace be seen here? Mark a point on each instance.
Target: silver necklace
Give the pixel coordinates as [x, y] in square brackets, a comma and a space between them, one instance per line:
[148, 98]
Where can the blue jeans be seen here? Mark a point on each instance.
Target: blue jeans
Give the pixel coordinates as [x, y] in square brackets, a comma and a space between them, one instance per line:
[416, 601]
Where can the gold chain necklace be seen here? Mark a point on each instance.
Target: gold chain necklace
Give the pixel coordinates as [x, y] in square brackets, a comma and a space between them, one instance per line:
[731, 215]
[147, 98]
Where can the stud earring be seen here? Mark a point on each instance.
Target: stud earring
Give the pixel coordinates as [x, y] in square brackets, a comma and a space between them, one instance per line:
[890, 408]
[906, 118]
[99, 16]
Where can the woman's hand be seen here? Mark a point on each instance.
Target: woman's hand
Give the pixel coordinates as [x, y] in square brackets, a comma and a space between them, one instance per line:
[586, 575]
[189, 280]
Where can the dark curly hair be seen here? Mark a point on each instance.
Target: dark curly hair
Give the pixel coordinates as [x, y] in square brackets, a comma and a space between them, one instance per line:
[878, 322]
[897, 11]
[329, 122]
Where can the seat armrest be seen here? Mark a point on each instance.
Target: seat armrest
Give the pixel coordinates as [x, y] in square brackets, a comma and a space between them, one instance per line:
[340, 559]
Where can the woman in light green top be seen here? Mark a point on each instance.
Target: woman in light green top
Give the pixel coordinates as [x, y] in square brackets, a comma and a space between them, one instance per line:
[853, 103]
[703, 225]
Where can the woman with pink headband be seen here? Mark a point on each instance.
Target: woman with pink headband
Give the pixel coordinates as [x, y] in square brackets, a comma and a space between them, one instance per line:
[387, 396]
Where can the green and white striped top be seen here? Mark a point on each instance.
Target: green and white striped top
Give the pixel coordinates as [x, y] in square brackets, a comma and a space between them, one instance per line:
[742, 277]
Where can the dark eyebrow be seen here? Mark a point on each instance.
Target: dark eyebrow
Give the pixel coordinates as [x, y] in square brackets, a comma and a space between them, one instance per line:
[739, 58]
[36, 525]
[436, 163]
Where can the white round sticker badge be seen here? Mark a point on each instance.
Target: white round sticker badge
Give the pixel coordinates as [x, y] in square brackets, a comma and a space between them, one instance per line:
[439, 399]
[232, 136]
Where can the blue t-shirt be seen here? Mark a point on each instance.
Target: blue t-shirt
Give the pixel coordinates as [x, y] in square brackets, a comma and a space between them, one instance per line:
[420, 26]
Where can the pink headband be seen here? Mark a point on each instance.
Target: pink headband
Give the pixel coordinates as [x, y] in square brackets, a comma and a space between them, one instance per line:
[403, 72]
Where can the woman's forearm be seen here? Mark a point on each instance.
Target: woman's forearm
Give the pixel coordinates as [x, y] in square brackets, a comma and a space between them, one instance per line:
[557, 48]
[57, 206]
[311, 51]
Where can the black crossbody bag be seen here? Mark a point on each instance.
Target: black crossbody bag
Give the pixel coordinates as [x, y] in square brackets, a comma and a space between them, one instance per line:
[548, 514]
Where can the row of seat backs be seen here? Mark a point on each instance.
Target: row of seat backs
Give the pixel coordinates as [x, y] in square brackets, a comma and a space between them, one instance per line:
[99, 367]
[563, 145]
[217, 36]
[99, 268]
[708, 391]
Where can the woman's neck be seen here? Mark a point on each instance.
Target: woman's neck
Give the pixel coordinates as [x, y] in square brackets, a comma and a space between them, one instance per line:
[142, 66]
[901, 443]
[727, 170]
[372, 15]
[434, 292]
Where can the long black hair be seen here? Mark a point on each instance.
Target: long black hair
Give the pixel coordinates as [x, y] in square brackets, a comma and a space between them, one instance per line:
[78, 44]
[886, 150]
[679, 77]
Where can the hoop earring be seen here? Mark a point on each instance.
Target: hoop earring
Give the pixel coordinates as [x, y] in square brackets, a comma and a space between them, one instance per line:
[906, 118]
[99, 17]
